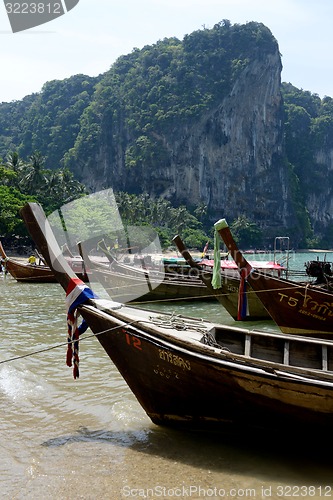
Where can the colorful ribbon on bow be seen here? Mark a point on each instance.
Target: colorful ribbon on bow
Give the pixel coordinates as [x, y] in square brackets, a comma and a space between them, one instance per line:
[77, 293]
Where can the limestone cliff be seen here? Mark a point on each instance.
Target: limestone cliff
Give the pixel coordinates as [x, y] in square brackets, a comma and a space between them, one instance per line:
[233, 159]
[229, 156]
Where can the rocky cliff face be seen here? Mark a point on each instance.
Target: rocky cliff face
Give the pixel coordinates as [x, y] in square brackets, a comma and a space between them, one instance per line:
[233, 158]
[229, 157]
[319, 199]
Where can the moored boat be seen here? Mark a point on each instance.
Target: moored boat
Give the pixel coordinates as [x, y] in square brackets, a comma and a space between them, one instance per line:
[24, 271]
[179, 282]
[296, 307]
[37, 272]
[228, 292]
[190, 372]
[129, 283]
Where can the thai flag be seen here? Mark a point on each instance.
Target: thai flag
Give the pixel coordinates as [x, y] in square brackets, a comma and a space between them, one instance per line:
[77, 293]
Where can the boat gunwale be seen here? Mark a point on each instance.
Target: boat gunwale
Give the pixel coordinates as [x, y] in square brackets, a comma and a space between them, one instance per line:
[219, 353]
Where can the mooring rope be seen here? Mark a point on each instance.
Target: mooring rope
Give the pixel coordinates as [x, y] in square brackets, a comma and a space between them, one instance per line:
[62, 344]
[158, 320]
[178, 322]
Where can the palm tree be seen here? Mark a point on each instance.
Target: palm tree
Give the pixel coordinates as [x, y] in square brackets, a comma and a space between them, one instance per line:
[14, 162]
[10, 170]
[35, 177]
[63, 188]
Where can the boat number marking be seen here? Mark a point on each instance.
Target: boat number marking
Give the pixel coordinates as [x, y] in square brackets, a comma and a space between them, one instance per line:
[133, 341]
[308, 306]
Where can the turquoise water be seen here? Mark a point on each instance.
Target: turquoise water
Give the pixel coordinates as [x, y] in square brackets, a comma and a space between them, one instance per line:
[90, 438]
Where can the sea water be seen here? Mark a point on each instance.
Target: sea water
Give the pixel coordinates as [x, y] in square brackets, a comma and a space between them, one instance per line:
[89, 438]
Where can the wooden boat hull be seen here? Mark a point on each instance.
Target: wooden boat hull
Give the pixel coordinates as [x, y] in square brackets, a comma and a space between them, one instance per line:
[228, 296]
[126, 288]
[129, 284]
[125, 283]
[295, 307]
[131, 288]
[228, 292]
[183, 385]
[29, 273]
[35, 273]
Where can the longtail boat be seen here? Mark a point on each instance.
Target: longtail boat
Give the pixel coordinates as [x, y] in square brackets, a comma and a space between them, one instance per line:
[192, 373]
[24, 271]
[38, 272]
[127, 283]
[228, 293]
[296, 307]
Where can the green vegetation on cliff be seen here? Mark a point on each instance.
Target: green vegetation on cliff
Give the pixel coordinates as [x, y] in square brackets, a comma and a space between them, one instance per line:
[156, 92]
[86, 128]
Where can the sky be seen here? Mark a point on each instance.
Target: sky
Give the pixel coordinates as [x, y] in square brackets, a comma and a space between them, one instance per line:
[92, 35]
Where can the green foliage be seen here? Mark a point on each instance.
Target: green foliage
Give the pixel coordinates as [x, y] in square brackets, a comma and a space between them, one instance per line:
[22, 181]
[309, 137]
[326, 241]
[309, 129]
[322, 131]
[86, 218]
[246, 233]
[195, 238]
[297, 125]
[11, 201]
[48, 122]
[302, 214]
[128, 119]
[311, 103]
[163, 217]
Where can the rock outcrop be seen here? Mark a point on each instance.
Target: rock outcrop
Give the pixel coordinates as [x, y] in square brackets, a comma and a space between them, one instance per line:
[231, 158]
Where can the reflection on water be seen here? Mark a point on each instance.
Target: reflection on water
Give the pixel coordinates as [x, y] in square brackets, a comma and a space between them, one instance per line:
[90, 438]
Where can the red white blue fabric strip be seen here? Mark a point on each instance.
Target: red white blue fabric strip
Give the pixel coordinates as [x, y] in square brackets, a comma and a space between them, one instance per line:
[77, 293]
[242, 296]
